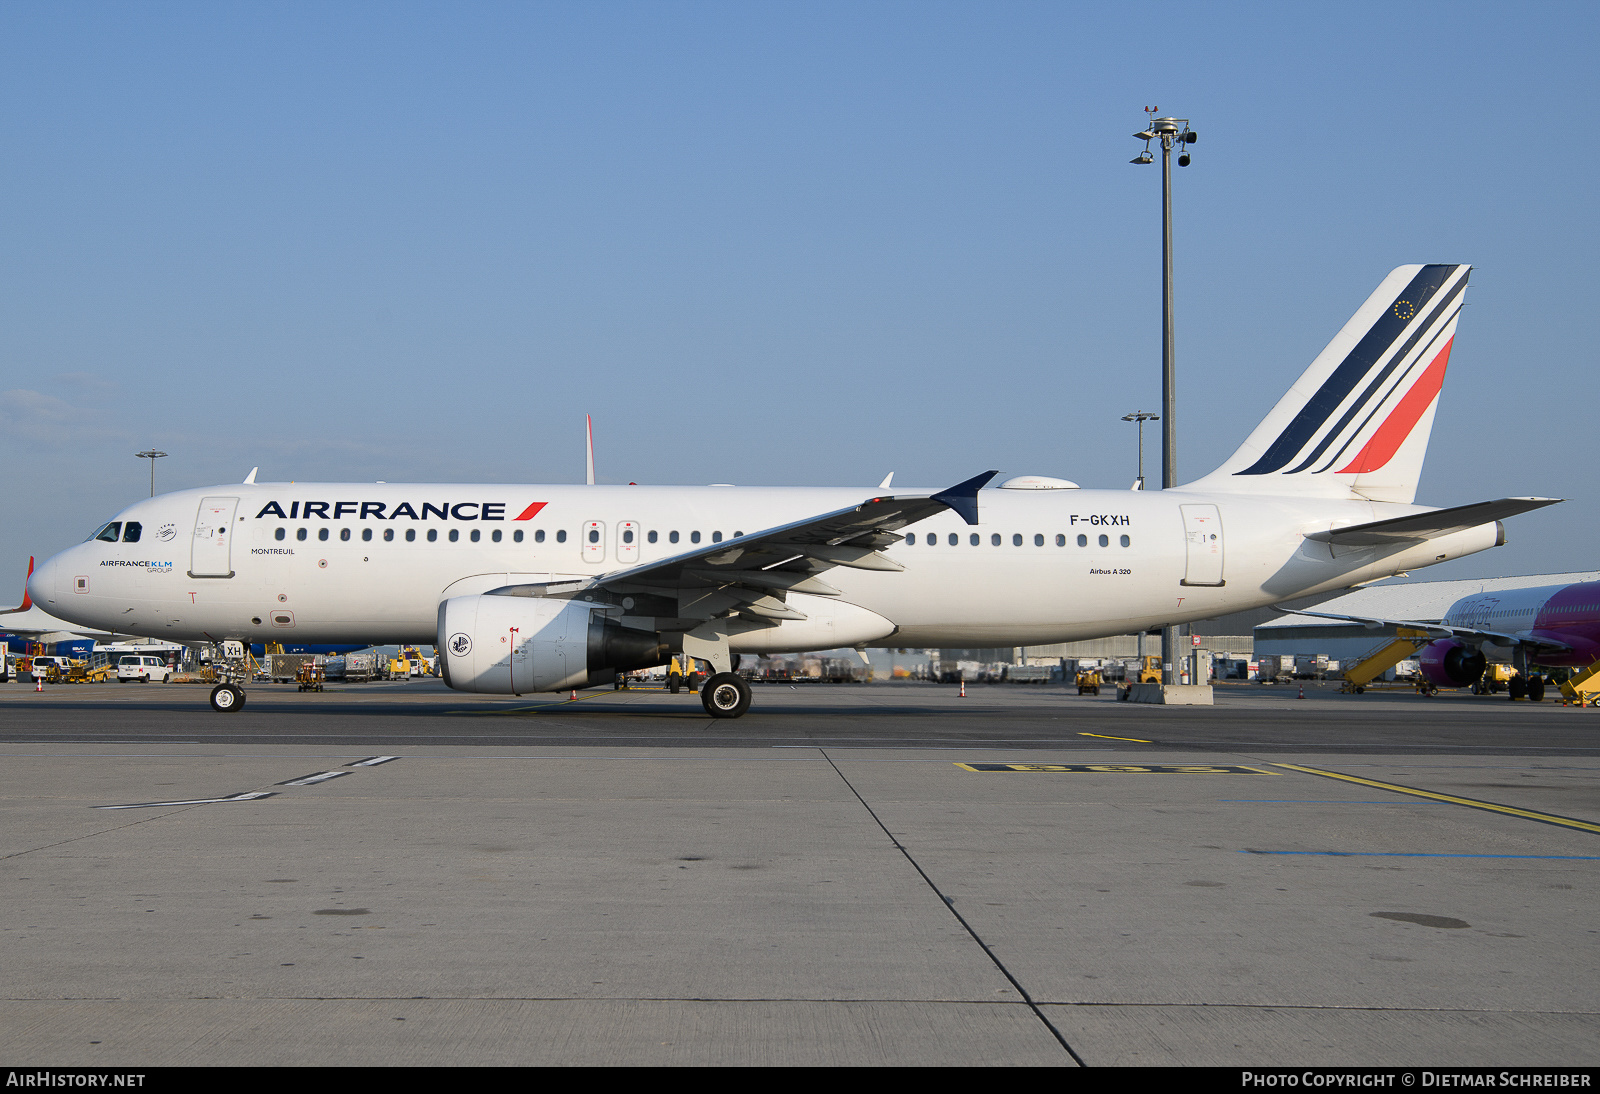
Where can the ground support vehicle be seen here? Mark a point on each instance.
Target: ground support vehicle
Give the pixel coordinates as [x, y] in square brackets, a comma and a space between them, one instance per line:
[310, 676]
[142, 668]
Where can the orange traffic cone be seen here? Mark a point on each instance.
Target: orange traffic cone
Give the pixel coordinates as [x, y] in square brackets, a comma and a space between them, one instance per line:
[573, 697]
[962, 694]
[38, 683]
[1302, 694]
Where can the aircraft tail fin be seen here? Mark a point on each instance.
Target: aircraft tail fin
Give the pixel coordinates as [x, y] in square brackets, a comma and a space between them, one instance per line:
[27, 601]
[1356, 424]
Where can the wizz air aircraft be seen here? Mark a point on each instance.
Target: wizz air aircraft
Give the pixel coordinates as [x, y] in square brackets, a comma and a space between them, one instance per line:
[544, 588]
[1555, 625]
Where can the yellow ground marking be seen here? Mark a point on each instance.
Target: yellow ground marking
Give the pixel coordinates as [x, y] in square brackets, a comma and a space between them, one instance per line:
[1124, 769]
[1108, 737]
[1471, 803]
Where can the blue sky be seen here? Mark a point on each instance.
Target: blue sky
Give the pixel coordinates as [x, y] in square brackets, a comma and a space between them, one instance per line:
[767, 243]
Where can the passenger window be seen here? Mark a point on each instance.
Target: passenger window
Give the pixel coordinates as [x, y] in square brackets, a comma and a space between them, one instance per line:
[322, 534]
[300, 534]
[1126, 542]
[411, 535]
[694, 537]
[1083, 541]
[455, 534]
[538, 535]
[1038, 540]
[279, 534]
[561, 535]
[366, 535]
[994, 540]
[1016, 539]
[736, 535]
[594, 535]
[1061, 541]
[130, 532]
[344, 535]
[1105, 541]
[110, 532]
[627, 536]
[716, 537]
[954, 539]
[974, 539]
[433, 535]
[497, 534]
[653, 536]
[388, 535]
[476, 535]
[672, 537]
[516, 536]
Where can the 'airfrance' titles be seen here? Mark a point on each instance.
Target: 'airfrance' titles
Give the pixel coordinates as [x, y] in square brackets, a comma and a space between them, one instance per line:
[374, 510]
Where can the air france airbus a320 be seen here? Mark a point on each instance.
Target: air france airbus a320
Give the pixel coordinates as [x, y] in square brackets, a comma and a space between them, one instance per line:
[545, 588]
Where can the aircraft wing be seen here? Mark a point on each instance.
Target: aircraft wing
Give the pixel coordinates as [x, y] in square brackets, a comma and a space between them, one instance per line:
[1440, 630]
[1421, 526]
[750, 573]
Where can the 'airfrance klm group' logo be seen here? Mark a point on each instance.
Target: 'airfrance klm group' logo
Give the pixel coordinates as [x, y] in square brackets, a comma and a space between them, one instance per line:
[380, 510]
[1385, 385]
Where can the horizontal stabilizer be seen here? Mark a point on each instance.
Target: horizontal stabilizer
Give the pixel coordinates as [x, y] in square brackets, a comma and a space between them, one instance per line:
[1432, 525]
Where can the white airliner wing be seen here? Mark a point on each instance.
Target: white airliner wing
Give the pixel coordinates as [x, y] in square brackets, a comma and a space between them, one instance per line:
[1432, 525]
[750, 573]
[1440, 630]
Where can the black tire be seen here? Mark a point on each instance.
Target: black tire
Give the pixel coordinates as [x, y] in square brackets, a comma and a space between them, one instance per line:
[1536, 689]
[1517, 687]
[226, 699]
[674, 683]
[725, 695]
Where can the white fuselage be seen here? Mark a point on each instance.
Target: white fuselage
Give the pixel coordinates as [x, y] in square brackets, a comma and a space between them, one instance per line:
[248, 562]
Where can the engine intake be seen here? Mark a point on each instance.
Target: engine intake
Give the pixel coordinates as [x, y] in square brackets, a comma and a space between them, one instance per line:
[1451, 664]
[508, 645]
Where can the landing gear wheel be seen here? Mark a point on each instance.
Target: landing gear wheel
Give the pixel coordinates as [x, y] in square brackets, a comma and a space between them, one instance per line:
[225, 698]
[1518, 687]
[674, 683]
[725, 696]
[1536, 689]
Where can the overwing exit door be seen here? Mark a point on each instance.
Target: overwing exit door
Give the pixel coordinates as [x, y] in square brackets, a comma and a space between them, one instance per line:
[1202, 533]
[213, 532]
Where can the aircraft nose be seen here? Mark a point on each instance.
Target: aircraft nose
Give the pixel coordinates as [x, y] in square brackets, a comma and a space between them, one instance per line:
[42, 581]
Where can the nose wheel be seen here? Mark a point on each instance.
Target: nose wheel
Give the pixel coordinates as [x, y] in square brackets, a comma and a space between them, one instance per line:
[226, 698]
[725, 695]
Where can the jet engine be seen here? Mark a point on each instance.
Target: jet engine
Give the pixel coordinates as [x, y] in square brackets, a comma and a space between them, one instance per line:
[1448, 663]
[509, 645]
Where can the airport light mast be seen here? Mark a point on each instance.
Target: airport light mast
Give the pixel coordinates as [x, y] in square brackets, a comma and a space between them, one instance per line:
[1168, 131]
[152, 455]
[1141, 416]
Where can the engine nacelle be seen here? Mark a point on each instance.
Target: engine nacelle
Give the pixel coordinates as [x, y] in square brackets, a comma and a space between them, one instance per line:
[1448, 663]
[511, 645]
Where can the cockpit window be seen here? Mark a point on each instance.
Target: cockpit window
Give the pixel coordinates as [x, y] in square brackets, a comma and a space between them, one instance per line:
[130, 531]
[110, 532]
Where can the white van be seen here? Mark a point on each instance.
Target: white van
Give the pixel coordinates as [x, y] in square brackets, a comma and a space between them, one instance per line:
[143, 668]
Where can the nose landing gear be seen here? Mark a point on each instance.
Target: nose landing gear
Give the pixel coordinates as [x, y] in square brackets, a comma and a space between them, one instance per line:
[227, 698]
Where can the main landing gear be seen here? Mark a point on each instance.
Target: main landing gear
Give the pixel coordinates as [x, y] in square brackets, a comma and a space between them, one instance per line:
[227, 698]
[725, 695]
